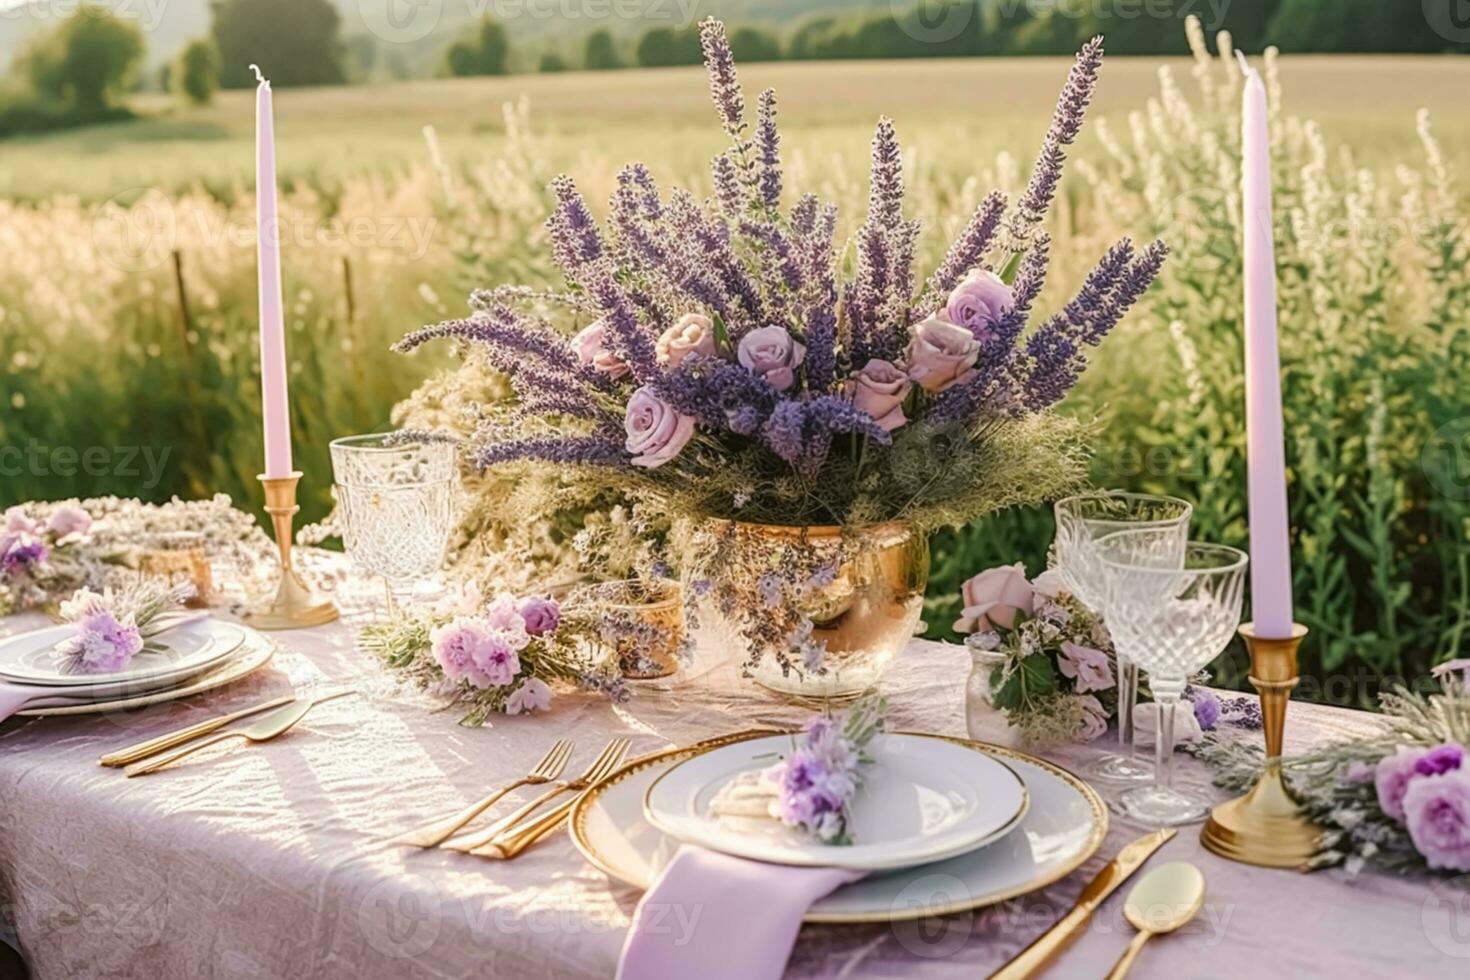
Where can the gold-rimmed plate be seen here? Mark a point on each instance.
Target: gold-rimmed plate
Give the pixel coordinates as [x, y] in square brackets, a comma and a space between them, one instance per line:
[1063, 827]
[253, 654]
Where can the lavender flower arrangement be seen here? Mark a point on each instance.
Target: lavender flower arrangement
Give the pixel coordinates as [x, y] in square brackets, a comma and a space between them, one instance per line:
[718, 358]
[499, 656]
[113, 627]
[1399, 800]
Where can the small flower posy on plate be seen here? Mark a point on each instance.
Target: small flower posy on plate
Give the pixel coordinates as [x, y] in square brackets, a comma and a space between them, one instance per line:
[113, 626]
[811, 788]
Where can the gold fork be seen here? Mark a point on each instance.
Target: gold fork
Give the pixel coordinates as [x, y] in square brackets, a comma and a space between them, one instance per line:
[436, 833]
[512, 842]
[614, 750]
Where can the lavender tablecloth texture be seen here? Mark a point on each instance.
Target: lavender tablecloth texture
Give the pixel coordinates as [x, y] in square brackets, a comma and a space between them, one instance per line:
[276, 861]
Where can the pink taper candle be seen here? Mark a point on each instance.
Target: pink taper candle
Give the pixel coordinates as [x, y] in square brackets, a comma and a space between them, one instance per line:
[1265, 439]
[275, 409]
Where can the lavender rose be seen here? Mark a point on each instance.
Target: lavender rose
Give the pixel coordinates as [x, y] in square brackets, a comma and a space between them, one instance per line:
[656, 432]
[993, 598]
[693, 333]
[880, 389]
[1437, 815]
[590, 346]
[1391, 779]
[541, 615]
[503, 619]
[69, 520]
[941, 355]
[979, 302]
[532, 695]
[1088, 668]
[773, 354]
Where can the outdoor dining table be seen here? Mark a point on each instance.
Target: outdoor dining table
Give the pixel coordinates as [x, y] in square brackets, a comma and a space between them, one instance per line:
[278, 860]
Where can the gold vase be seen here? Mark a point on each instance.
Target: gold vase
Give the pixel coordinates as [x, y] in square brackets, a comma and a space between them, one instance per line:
[862, 590]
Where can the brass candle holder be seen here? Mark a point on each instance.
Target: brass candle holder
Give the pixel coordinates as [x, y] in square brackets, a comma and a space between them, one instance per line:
[294, 606]
[1266, 826]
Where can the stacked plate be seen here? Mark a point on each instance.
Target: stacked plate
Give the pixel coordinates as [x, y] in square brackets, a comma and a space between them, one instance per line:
[942, 825]
[193, 657]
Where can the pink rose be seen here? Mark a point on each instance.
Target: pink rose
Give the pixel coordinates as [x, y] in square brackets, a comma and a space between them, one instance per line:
[1094, 719]
[656, 432]
[1049, 585]
[694, 333]
[1437, 815]
[1392, 778]
[773, 354]
[497, 660]
[993, 598]
[979, 302]
[880, 389]
[1089, 669]
[16, 522]
[456, 646]
[590, 347]
[941, 354]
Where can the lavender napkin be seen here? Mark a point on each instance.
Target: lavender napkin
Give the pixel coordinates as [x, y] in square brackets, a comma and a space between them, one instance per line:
[722, 918]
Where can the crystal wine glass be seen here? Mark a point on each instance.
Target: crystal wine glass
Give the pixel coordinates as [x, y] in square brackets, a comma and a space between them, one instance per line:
[395, 504]
[1173, 621]
[1081, 521]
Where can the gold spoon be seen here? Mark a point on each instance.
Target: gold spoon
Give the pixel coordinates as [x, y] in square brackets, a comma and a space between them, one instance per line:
[1165, 899]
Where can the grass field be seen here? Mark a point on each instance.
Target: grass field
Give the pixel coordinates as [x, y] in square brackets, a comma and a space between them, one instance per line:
[974, 108]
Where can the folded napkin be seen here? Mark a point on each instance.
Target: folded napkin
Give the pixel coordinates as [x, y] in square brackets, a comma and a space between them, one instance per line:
[718, 917]
[13, 697]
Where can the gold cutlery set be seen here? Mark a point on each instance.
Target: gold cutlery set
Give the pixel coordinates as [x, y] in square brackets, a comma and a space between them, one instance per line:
[156, 753]
[507, 837]
[1166, 899]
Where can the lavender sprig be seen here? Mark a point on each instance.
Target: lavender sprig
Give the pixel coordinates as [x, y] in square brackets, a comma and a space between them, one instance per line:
[560, 449]
[768, 139]
[968, 249]
[1065, 125]
[724, 84]
[576, 244]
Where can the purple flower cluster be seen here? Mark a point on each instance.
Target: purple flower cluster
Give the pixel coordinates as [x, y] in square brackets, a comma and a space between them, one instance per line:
[21, 546]
[105, 640]
[1428, 791]
[817, 780]
[482, 645]
[735, 327]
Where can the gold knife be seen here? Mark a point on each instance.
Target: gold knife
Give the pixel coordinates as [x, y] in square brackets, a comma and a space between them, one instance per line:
[1034, 958]
[163, 743]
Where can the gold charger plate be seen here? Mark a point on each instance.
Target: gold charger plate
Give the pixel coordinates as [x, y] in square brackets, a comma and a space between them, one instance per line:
[618, 870]
[258, 653]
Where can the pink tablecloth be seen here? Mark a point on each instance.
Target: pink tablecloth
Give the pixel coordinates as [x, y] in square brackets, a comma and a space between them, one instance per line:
[275, 861]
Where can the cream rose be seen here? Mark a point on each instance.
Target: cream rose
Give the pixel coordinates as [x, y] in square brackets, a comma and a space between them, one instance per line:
[941, 355]
[694, 333]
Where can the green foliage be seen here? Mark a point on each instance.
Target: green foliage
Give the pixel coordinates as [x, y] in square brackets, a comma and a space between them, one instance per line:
[752, 44]
[600, 54]
[485, 54]
[1364, 25]
[664, 46]
[551, 61]
[86, 63]
[196, 75]
[295, 42]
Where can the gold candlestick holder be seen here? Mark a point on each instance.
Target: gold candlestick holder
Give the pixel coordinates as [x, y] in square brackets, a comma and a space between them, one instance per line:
[1266, 826]
[295, 606]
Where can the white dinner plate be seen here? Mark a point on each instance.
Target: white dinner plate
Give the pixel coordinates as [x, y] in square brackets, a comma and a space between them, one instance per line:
[1063, 827]
[921, 800]
[31, 658]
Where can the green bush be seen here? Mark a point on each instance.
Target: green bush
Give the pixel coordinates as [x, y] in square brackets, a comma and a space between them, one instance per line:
[196, 75]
